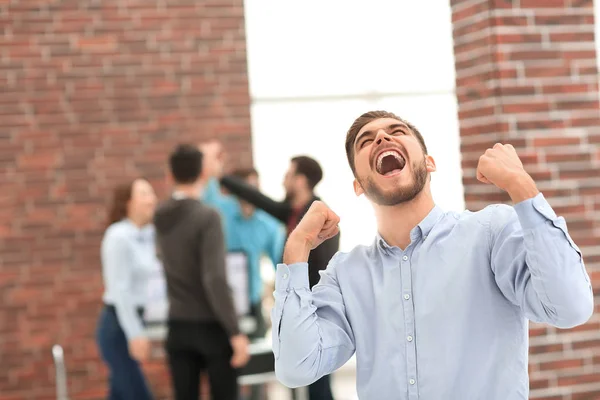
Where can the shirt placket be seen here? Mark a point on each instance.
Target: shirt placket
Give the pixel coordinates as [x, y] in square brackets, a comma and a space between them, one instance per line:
[409, 324]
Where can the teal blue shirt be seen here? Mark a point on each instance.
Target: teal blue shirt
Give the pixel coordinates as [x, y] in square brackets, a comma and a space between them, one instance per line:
[258, 235]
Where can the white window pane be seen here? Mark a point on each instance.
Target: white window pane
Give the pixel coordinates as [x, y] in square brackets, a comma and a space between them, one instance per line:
[337, 47]
[318, 129]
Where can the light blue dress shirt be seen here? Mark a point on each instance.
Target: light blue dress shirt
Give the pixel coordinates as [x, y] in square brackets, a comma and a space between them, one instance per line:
[444, 319]
[258, 235]
[128, 260]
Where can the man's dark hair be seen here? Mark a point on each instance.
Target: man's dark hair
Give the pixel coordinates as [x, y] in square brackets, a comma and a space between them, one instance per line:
[186, 164]
[370, 116]
[244, 173]
[309, 168]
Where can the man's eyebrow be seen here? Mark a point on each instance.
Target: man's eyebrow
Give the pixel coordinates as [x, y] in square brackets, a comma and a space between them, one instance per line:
[388, 129]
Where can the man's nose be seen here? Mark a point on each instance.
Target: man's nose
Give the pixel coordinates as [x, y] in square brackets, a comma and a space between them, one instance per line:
[382, 135]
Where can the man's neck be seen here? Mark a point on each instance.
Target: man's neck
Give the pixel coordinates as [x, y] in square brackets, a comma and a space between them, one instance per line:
[396, 222]
[137, 222]
[301, 199]
[189, 191]
[246, 210]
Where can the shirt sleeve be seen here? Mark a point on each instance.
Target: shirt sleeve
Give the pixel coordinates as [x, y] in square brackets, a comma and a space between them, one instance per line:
[276, 242]
[237, 186]
[211, 252]
[213, 196]
[311, 335]
[537, 265]
[117, 259]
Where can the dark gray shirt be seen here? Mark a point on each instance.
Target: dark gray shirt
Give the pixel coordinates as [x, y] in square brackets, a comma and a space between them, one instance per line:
[191, 244]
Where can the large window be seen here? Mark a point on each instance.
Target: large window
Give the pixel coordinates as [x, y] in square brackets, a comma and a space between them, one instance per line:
[315, 66]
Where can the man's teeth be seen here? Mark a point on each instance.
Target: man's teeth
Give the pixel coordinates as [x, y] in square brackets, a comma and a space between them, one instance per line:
[397, 155]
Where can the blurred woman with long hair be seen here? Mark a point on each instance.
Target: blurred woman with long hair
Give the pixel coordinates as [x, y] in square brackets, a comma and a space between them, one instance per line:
[128, 258]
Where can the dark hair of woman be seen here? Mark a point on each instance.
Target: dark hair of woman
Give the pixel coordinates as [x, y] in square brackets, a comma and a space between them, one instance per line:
[118, 208]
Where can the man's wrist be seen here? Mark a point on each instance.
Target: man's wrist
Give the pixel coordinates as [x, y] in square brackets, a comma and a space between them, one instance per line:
[297, 250]
[523, 187]
[139, 336]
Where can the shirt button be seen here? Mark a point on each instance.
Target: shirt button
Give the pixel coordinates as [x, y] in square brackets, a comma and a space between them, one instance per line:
[405, 258]
[406, 296]
[285, 276]
[412, 381]
[410, 338]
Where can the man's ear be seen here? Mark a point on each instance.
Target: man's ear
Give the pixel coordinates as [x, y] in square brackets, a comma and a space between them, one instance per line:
[358, 189]
[430, 164]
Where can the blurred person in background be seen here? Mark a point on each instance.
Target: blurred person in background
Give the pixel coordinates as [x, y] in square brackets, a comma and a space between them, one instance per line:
[128, 258]
[253, 232]
[203, 331]
[438, 306]
[303, 175]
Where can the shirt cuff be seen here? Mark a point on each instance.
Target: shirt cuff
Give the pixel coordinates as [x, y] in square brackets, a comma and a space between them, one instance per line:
[134, 331]
[534, 212]
[294, 276]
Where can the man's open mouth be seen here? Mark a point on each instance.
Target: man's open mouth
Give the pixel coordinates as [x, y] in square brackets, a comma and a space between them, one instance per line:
[390, 162]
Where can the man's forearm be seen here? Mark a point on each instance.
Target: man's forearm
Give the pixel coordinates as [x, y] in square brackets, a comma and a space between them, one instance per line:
[302, 343]
[558, 275]
[523, 188]
[296, 250]
[241, 189]
[219, 297]
[214, 275]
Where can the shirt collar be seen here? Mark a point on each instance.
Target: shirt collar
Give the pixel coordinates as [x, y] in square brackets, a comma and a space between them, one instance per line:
[141, 234]
[240, 216]
[177, 195]
[430, 220]
[422, 230]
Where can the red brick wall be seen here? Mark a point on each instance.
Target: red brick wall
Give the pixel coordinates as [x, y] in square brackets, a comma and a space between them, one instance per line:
[94, 92]
[526, 74]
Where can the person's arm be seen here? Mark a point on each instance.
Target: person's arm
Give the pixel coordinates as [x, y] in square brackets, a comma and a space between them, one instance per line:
[276, 242]
[321, 258]
[249, 193]
[311, 335]
[211, 252]
[213, 196]
[157, 249]
[117, 259]
[537, 265]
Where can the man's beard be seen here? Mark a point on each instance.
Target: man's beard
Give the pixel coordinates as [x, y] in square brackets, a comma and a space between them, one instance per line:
[289, 197]
[400, 194]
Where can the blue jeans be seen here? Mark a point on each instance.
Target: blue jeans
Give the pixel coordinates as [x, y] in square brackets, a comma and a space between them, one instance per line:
[126, 377]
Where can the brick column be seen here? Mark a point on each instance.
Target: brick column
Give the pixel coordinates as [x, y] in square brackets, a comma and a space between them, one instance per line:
[526, 74]
[95, 92]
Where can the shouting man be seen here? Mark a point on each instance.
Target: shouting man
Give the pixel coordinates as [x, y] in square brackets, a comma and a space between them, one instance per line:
[438, 306]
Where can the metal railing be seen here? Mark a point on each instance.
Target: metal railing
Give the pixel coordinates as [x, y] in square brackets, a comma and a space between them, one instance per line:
[61, 372]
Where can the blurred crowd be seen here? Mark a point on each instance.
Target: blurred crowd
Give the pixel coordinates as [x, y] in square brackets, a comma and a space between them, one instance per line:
[208, 238]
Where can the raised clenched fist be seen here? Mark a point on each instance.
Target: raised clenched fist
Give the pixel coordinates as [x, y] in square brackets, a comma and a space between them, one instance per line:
[318, 224]
[502, 167]
[499, 166]
[212, 162]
